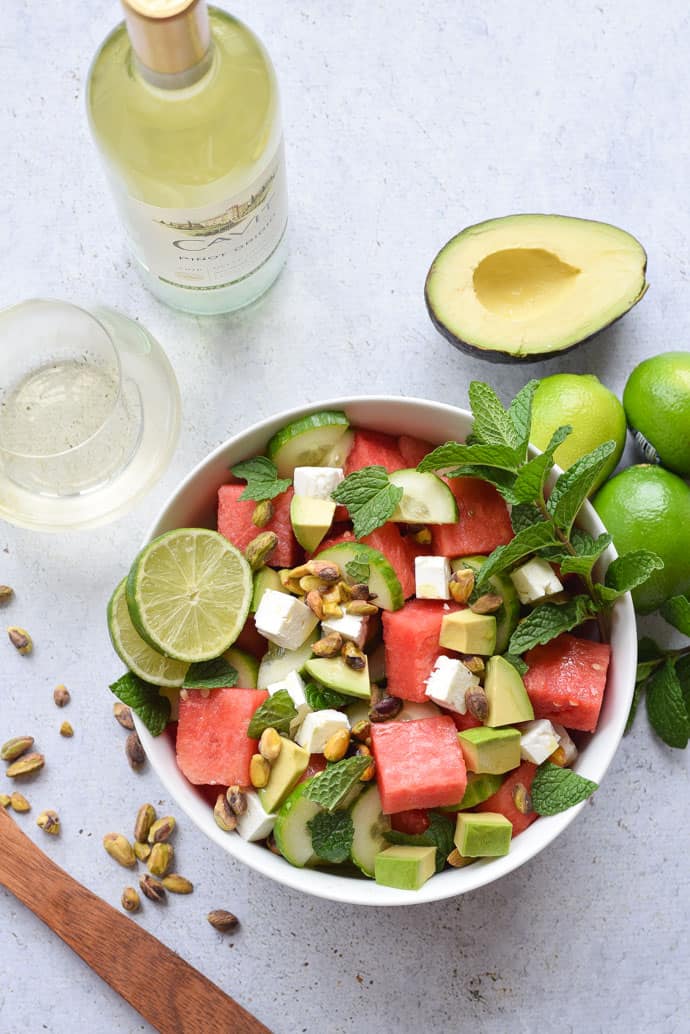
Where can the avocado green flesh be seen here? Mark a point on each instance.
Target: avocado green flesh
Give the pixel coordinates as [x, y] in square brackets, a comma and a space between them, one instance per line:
[508, 615]
[506, 694]
[525, 287]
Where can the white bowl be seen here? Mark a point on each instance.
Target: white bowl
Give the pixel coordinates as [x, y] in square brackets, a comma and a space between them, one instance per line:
[194, 504]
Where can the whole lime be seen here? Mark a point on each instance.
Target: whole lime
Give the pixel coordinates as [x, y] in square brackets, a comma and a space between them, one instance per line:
[646, 507]
[594, 413]
[657, 405]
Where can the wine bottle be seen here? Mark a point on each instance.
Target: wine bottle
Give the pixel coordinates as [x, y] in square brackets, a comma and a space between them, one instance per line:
[183, 105]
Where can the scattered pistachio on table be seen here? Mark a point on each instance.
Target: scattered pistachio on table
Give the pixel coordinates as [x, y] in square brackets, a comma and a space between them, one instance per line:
[146, 816]
[142, 851]
[14, 748]
[61, 696]
[66, 730]
[120, 849]
[161, 830]
[123, 715]
[222, 921]
[27, 764]
[160, 859]
[49, 822]
[6, 593]
[130, 900]
[20, 639]
[19, 803]
[136, 755]
[177, 884]
[5, 800]
[153, 889]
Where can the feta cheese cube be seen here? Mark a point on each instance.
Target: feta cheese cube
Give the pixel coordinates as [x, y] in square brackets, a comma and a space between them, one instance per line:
[538, 740]
[350, 626]
[284, 620]
[318, 727]
[295, 686]
[535, 580]
[256, 823]
[316, 482]
[565, 743]
[449, 681]
[431, 576]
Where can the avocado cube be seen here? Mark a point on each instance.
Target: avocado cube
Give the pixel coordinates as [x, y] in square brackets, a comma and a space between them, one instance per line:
[334, 673]
[311, 519]
[490, 750]
[286, 772]
[403, 867]
[483, 834]
[506, 694]
[479, 787]
[467, 632]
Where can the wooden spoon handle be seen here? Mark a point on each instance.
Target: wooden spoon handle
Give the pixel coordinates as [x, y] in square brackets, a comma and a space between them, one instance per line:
[166, 990]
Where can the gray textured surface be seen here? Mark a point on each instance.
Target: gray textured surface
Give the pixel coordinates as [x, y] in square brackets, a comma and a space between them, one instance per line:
[403, 123]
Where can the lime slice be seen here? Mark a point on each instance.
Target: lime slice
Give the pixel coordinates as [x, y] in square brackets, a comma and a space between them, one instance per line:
[139, 657]
[188, 594]
[307, 441]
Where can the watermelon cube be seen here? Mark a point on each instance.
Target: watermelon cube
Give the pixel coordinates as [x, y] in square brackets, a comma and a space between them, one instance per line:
[413, 450]
[235, 522]
[503, 803]
[566, 681]
[372, 448]
[419, 764]
[411, 646]
[483, 521]
[212, 743]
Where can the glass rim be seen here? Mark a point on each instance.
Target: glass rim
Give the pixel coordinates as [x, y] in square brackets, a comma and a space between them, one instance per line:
[36, 302]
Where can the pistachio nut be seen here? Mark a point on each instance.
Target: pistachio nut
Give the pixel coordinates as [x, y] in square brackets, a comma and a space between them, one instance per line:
[361, 730]
[224, 815]
[49, 822]
[130, 900]
[270, 745]
[461, 585]
[153, 889]
[237, 799]
[260, 549]
[61, 696]
[474, 664]
[20, 639]
[120, 849]
[329, 646]
[25, 765]
[361, 608]
[456, 860]
[423, 537]
[123, 715]
[177, 884]
[222, 921]
[66, 730]
[19, 803]
[5, 800]
[146, 816]
[336, 745]
[331, 610]
[161, 830]
[160, 859]
[259, 771]
[6, 592]
[522, 799]
[354, 658]
[136, 755]
[360, 591]
[314, 601]
[487, 604]
[13, 748]
[142, 851]
[477, 703]
[263, 513]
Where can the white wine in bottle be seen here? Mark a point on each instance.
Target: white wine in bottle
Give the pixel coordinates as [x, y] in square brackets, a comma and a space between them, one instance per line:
[183, 105]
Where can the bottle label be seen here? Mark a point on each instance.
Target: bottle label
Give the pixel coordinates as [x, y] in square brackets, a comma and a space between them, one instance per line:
[646, 448]
[202, 249]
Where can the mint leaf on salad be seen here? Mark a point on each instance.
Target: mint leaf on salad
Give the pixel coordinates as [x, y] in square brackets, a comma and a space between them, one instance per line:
[278, 712]
[332, 835]
[369, 497]
[493, 424]
[525, 543]
[520, 413]
[574, 485]
[262, 479]
[216, 674]
[628, 571]
[555, 789]
[332, 786]
[145, 700]
[358, 568]
[321, 698]
[548, 620]
[439, 835]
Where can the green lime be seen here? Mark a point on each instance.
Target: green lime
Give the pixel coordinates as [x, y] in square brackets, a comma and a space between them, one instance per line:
[646, 507]
[139, 657]
[594, 413]
[188, 594]
[657, 405]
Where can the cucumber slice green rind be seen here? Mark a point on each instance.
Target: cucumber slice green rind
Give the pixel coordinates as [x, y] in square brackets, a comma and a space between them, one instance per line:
[307, 441]
[370, 823]
[426, 499]
[383, 581]
[134, 651]
[188, 594]
[246, 666]
[291, 832]
[277, 663]
[508, 617]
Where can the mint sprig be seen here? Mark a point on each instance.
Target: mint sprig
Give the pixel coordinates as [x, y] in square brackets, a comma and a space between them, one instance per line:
[262, 479]
[555, 789]
[333, 786]
[145, 700]
[332, 836]
[358, 568]
[370, 498]
[216, 674]
[321, 698]
[438, 835]
[549, 620]
[278, 712]
[663, 676]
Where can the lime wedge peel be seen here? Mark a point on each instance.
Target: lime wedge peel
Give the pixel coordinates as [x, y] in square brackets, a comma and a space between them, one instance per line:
[188, 594]
[139, 657]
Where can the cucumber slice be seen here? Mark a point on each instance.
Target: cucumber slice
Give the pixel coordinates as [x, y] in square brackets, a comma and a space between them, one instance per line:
[383, 581]
[305, 442]
[370, 824]
[334, 673]
[291, 832]
[247, 667]
[265, 578]
[340, 451]
[509, 614]
[277, 663]
[426, 499]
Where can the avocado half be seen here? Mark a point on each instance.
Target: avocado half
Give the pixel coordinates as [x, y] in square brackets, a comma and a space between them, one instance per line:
[528, 287]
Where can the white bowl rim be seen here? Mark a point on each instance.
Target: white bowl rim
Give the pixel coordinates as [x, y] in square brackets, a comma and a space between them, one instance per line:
[450, 883]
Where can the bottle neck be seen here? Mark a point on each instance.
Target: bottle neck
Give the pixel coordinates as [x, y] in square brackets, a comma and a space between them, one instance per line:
[171, 40]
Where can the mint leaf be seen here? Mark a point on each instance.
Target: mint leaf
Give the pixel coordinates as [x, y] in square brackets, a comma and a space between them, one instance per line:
[531, 476]
[438, 835]
[683, 676]
[555, 789]
[369, 497]
[666, 707]
[492, 424]
[676, 611]
[524, 544]
[648, 649]
[332, 835]
[455, 454]
[587, 552]
[216, 674]
[524, 515]
[320, 698]
[502, 480]
[630, 570]
[278, 712]
[518, 663]
[574, 485]
[520, 413]
[145, 700]
[358, 568]
[332, 786]
[262, 479]
[548, 620]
